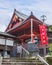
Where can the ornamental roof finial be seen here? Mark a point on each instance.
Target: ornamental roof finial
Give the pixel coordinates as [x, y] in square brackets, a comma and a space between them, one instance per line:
[14, 9]
[31, 13]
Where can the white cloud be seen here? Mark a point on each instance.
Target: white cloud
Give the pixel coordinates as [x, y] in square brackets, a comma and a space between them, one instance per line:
[39, 7]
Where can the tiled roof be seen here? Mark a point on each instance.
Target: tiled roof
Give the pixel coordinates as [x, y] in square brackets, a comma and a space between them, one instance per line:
[21, 23]
[6, 35]
[21, 15]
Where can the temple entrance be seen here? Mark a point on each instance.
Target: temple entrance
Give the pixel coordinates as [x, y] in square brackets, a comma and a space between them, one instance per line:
[2, 53]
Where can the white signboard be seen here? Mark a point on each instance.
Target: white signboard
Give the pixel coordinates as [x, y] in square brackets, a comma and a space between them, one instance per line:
[9, 42]
[2, 41]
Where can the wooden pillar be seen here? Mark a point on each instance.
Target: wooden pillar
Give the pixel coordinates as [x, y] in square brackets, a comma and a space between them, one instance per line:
[44, 50]
[5, 50]
[32, 38]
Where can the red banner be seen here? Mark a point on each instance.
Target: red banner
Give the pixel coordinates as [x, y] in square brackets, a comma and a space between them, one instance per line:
[43, 34]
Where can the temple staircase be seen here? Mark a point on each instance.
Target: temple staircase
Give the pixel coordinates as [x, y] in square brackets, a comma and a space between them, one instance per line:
[26, 60]
[21, 61]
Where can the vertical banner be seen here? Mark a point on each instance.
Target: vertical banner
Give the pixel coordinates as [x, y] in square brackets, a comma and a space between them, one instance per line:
[43, 34]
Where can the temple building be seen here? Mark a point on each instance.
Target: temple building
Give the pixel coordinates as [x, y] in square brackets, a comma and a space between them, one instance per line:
[20, 27]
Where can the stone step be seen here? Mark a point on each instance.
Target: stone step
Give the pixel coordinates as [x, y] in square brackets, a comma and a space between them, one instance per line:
[19, 60]
[22, 61]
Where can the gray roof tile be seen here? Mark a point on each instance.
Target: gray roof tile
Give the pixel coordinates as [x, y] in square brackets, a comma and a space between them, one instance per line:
[21, 15]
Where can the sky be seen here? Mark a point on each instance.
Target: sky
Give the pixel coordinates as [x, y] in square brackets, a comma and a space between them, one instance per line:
[38, 7]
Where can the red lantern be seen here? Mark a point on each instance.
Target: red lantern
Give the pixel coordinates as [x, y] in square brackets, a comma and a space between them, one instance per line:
[43, 34]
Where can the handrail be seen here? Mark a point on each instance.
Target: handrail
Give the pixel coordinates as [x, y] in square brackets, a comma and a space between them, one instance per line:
[37, 55]
[25, 50]
[41, 59]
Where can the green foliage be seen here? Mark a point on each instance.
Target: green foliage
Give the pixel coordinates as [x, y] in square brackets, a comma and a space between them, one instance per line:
[50, 48]
[50, 28]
